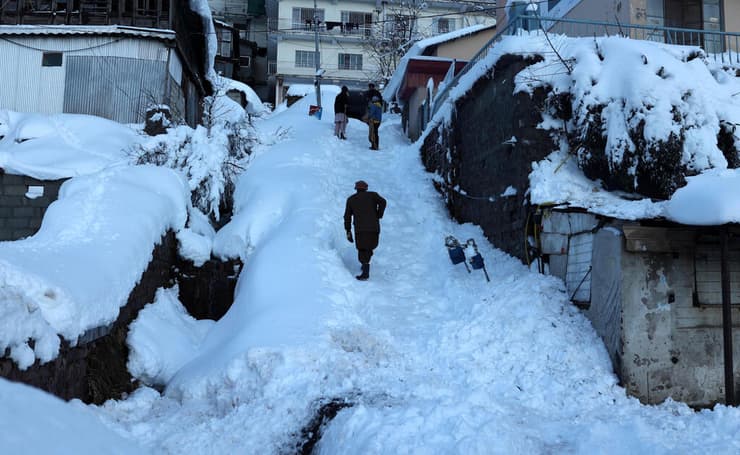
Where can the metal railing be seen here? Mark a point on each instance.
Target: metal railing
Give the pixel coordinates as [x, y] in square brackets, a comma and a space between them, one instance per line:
[719, 46]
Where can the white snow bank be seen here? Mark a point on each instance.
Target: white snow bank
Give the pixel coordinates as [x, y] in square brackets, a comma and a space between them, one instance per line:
[557, 180]
[34, 422]
[163, 338]
[50, 147]
[93, 245]
[709, 199]
[255, 106]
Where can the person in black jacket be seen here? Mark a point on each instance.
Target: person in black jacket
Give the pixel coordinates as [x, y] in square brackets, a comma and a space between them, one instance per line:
[365, 208]
[340, 113]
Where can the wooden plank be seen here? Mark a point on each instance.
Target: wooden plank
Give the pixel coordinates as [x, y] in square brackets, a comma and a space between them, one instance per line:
[657, 239]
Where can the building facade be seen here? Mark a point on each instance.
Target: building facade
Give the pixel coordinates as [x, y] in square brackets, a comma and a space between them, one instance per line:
[111, 59]
[352, 37]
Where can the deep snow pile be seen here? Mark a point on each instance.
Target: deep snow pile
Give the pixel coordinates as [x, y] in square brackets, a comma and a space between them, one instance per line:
[429, 358]
[58, 146]
[637, 116]
[80, 267]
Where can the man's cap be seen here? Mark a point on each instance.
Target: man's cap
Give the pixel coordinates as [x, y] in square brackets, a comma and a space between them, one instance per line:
[360, 185]
[370, 84]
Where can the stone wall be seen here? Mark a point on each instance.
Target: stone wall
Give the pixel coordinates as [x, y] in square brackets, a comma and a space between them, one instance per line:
[20, 215]
[207, 292]
[478, 160]
[95, 371]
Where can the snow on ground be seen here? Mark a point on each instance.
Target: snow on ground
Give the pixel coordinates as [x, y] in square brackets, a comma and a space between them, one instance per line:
[431, 359]
[34, 422]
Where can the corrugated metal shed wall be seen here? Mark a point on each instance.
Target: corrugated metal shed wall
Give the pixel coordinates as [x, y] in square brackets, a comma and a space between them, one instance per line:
[114, 87]
[26, 86]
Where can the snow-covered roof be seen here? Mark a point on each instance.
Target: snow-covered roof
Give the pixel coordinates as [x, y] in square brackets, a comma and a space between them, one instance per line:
[109, 30]
[389, 92]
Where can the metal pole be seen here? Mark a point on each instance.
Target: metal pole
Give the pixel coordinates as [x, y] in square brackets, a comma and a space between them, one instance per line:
[727, 320]
[317, 56]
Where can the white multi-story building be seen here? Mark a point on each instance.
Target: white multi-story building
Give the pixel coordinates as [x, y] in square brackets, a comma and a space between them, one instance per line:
[352, 34]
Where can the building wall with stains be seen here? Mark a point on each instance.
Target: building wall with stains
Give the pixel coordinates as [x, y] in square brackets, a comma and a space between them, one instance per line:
[671, 348]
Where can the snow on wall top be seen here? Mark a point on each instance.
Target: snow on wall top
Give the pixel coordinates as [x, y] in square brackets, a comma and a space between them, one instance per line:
[671, 90]
[50, 147]
[79, 269]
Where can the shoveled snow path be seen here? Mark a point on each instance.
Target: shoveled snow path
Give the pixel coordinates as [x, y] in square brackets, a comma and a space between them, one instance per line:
[433, 359]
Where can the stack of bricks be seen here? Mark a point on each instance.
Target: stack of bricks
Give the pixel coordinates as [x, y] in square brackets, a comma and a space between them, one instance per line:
[23, 202]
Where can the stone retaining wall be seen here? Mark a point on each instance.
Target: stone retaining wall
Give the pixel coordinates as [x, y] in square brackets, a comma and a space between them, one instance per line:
[95, 371]
[21, 215]
[478, 159]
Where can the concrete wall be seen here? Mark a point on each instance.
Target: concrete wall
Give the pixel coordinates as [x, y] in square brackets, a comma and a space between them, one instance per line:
[476, 156]
[20, 215]
[671, 348]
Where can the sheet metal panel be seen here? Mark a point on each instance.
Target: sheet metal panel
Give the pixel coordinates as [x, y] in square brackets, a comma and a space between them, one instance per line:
[577, 276]
[113, 87]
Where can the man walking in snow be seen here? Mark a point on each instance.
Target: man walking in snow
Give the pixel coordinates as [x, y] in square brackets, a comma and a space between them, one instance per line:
[365, 208]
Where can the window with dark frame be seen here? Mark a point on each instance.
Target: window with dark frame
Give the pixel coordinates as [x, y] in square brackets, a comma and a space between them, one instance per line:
[350, 61]
[303, 18]
[51, 59]
[305, 59]
[445, 25]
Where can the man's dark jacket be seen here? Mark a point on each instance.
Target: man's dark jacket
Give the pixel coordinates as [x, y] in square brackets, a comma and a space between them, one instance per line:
[366, 207]
[340, 103]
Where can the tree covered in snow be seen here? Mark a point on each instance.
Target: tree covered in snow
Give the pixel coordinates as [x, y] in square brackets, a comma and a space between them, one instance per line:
[211, 155]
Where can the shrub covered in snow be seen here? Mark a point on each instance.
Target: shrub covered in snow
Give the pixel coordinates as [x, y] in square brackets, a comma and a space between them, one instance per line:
[211, 155]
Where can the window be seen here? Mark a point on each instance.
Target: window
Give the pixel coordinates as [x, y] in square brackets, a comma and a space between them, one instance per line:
[303, 18]
[350, 61]
[245, 61]
[51, 59]
[225, 48]
[445, 25]
[357, 23]
[305, 59]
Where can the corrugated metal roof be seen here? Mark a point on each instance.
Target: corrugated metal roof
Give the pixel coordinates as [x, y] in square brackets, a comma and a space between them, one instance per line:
[107, 30]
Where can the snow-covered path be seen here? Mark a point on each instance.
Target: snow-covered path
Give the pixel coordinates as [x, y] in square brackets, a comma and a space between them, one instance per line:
[432, 359]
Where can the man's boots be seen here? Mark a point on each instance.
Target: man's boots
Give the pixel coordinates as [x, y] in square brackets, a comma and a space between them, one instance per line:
[365, 273]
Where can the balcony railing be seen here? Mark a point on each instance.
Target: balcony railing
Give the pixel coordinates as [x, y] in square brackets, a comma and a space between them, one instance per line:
[719, 46]
[289, 26]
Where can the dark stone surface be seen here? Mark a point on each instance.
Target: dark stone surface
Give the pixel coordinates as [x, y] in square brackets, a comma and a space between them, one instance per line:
[483, 163]
[207, 292]
[96, 371]
[157, 124]
[21, 216]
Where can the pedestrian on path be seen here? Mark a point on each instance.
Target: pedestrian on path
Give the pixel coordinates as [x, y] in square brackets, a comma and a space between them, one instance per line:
[364, 209]
[375, 115]
[340, 113]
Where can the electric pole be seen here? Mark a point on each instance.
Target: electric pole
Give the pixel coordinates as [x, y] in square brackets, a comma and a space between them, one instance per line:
[317, 56]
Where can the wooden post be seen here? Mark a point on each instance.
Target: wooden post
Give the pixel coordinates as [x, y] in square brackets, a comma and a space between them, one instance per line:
[727, 319]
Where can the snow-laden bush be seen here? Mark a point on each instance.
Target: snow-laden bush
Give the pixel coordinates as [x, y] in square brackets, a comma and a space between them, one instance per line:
[211, 155]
